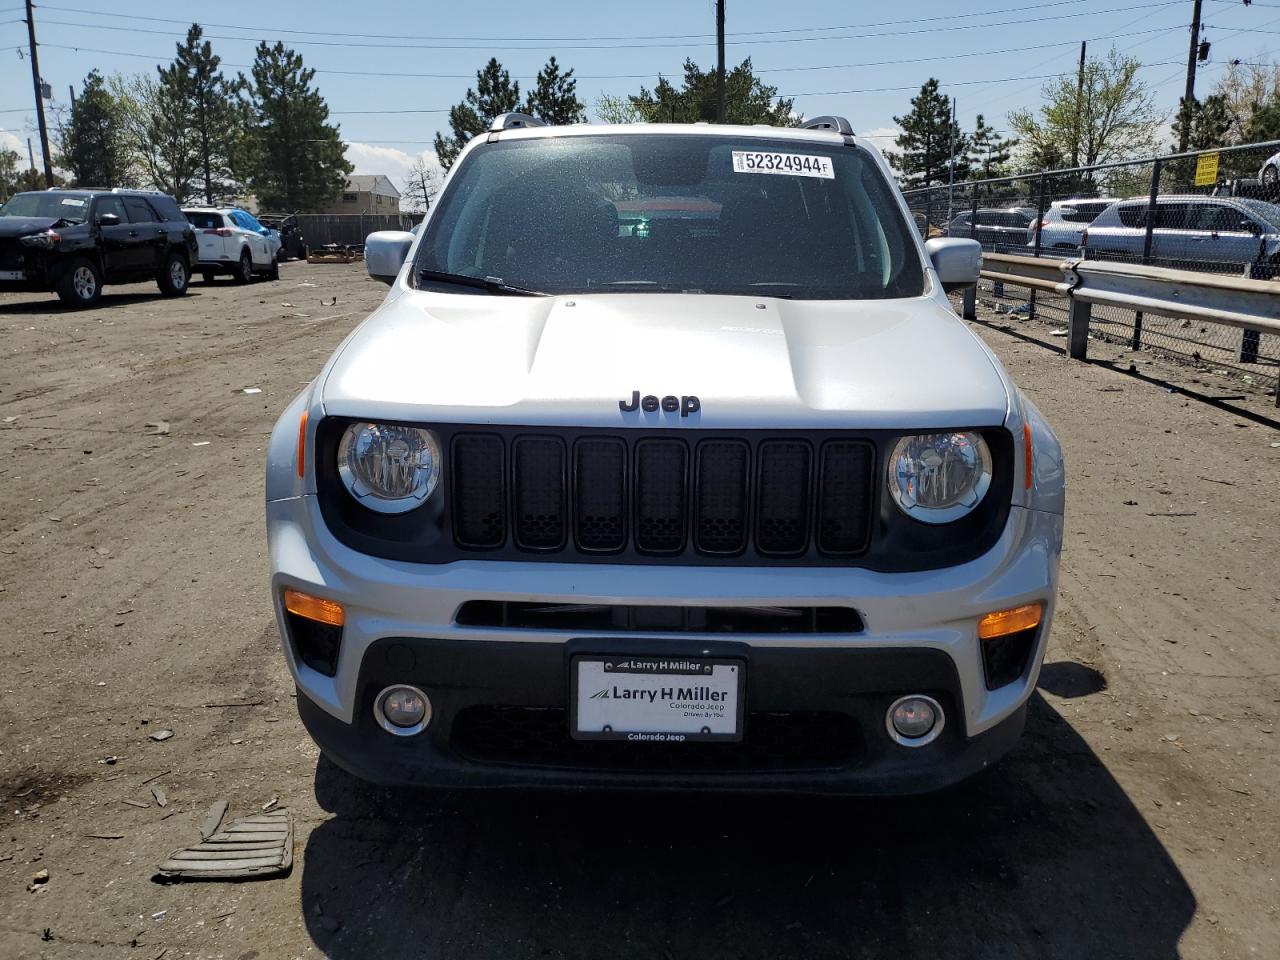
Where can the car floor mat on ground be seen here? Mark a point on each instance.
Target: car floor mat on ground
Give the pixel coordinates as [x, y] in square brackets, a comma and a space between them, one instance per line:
[250, 848]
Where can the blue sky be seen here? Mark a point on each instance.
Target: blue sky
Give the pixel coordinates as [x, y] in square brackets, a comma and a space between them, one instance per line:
[861, 60]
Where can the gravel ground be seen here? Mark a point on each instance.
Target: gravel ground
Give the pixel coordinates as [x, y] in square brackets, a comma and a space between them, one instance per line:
[1138, 817]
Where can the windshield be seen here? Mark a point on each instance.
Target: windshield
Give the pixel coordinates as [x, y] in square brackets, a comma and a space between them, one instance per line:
[675, 212]
[57, 206]
[1269, 212]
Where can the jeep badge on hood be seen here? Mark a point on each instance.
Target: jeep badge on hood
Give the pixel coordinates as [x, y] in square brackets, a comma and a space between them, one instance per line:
[686, 405]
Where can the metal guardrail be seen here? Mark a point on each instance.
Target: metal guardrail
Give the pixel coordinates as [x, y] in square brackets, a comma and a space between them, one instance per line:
[1247, 304]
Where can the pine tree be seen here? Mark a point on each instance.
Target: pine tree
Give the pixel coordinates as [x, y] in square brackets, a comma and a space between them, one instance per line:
[929, 140]
[211, 118]
[494, 95]
[91, 139]
[989, 152]
[555, 96]
[747, 99]
[8, 173]
[1211, 123]
[297, 161]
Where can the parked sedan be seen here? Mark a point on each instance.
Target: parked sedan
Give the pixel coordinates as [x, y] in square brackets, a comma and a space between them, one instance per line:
[1269, 175]
[1065, 222]
[233, 242]
[998, 229]
[1191, 232]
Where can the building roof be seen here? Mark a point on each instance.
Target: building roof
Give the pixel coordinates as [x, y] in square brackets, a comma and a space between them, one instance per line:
[372, 183]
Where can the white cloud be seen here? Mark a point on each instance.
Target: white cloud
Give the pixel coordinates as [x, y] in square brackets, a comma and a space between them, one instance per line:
[881, 136]
[394, 163]
[11, 141]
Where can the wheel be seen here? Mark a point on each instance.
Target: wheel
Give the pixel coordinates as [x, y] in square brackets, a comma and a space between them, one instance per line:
[80, 284]
[244, 269]
[1271, 176]
[207, 276]
[274, 272]
[176, 275]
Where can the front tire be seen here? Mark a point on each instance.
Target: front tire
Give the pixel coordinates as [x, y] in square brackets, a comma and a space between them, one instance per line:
[80, 284]
[176, 275]
[1270, 178]
[274, 272]
[244, 269]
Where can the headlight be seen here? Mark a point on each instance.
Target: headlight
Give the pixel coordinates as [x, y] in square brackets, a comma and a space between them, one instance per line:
[45, 241]
[939, 477]
[389, 468]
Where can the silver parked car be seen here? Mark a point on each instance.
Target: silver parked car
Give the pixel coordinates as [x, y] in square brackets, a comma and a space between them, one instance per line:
[1065, 222]
[665, 462]
[1192, 232]
[999, 229]
[1269, 175]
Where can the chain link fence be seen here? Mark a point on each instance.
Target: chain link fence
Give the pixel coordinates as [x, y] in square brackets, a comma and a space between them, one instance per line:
[1215, 211]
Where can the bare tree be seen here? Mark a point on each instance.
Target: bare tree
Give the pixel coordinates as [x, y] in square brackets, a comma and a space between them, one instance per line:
[421, 185]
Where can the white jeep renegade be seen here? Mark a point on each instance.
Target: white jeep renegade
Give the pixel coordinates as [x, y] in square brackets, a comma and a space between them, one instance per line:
[665, 462]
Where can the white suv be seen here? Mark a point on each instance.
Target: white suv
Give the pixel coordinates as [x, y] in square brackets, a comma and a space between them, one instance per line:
[665, 462]
[233, 242]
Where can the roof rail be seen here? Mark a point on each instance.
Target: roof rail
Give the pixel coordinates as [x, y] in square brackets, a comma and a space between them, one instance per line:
[514, 121]
[835, 124]
[150, 193]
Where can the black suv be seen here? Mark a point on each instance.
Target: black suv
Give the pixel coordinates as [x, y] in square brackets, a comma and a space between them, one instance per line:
[74, 241]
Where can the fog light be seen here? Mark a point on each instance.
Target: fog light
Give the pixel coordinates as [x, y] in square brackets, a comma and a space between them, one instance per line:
[914, 721]
[402, 710]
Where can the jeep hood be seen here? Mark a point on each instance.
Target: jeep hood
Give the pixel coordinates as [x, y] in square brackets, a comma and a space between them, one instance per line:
[751, 362]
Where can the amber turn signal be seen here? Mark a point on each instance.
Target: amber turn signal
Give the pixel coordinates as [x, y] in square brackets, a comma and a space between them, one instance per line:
[313, 608]
[1004, 622]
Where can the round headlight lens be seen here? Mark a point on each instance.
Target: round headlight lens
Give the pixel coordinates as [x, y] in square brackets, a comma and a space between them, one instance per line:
[939, 477]
[389, 468]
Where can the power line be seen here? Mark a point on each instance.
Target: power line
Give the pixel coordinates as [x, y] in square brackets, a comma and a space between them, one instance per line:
[631, 46]
[668, 36]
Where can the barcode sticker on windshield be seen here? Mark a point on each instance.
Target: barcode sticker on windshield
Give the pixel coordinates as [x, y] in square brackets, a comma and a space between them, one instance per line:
[788, 164]
[72, 202]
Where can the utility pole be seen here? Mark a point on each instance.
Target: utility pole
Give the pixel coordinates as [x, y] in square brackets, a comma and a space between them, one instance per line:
[1079, 130]
[951, 165]
[71, 88]
[35, 83]
[719, 61]
[1190, 96]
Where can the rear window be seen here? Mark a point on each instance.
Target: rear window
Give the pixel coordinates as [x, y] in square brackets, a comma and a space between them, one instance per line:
[687, 213]
[205, 221]
[1082, 212]
[1002, 218]
[1134, 216]
[167, 208]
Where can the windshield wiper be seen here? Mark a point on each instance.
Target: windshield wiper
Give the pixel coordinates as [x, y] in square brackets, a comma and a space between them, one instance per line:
[491, 284]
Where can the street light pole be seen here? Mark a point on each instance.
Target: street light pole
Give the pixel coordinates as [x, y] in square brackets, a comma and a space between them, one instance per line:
[720, 111]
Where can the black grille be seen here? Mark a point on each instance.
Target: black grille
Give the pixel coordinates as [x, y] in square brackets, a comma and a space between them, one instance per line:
[11, 255]
[644, 618]
[662, 496]
[478, 489]
[782, 517]
[539, 736]
[540, 492]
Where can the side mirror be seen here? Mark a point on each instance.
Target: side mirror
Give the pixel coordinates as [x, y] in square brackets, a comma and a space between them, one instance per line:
[385, 253]
[1248, 226]
[957, 262]
[109, 220]
[266, 232]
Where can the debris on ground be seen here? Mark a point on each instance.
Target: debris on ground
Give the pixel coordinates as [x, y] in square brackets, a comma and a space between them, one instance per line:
[270, 803]
[251, 848]
[250, 390]
[161, 799]
[157, 428]
[1058, 333]
[160, 735]
[213, 819]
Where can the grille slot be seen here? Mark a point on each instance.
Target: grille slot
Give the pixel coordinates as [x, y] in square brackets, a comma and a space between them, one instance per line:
[721, 522]
[600, 496]
[622, 618]
[539, 492]
[478, 491]
[782, 511]
[844, 522]
[661, 484]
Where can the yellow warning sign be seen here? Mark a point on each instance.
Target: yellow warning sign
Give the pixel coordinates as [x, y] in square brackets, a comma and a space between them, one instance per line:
[1206, 169]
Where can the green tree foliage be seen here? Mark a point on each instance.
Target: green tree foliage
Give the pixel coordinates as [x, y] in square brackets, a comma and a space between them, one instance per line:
[1264, 122]
[494, 95]
[554, 97]
[296, 160]
[1246, 88]
[153, 120]
[9, 161]
[614, 109]
[91, 140]
[201, 123]
[989, 152]
[1114, 119]
[747, 99]
[929, 139]
[1211, 123]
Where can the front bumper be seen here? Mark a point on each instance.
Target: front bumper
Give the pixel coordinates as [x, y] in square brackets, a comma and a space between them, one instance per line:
[919, 636]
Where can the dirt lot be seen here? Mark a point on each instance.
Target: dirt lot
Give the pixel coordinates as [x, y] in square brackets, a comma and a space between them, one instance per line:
[1138, 818]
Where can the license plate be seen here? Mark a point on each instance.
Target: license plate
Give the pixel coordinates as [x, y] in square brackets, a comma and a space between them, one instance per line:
[657, 699]
[12, 275]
